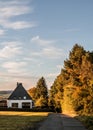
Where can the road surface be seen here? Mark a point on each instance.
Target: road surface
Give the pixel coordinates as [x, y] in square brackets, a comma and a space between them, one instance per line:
[61, 122]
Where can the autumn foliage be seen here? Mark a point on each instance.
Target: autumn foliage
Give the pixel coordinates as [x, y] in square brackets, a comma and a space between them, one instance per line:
[72, 90]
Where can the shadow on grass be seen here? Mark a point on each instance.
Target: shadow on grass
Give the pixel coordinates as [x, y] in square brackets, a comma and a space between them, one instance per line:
[16, 122]
[87, 121]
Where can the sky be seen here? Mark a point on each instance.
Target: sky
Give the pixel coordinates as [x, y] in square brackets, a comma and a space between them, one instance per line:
[37, 35]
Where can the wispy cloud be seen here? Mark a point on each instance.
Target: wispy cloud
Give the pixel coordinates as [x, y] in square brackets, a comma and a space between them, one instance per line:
[11, 43]
[47, 48]
[2, 32]
[41, 41]
[14, 2]
[50, 53]
[14, 67]
[10, 49]
[53, 52]
[12, 9]
[18, 24]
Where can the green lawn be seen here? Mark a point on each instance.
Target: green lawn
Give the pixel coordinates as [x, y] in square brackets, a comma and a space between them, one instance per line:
[20, 120]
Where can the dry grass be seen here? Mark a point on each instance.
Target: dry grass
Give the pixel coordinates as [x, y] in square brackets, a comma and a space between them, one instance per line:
[20, 120]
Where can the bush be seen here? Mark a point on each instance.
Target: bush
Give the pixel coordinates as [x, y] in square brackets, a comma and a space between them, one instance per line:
[35, 109]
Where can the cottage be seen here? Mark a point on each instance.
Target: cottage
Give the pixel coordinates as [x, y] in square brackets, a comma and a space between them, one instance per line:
[19, 98]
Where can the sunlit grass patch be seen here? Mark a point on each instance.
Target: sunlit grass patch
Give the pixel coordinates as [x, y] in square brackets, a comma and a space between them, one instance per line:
[23, 113]
[20, 120]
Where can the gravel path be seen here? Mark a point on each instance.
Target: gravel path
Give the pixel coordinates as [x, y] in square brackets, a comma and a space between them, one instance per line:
[61, 122]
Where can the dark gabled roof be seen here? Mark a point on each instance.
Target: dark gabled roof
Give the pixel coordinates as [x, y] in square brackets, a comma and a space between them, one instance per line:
[19, 93]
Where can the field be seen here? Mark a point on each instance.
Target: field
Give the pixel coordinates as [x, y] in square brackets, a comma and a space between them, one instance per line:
[20, 120]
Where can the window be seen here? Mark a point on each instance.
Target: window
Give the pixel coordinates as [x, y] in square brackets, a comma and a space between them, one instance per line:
[24, 97]
[15, 105]
[14, 97]
[19, 97]
[26, 105]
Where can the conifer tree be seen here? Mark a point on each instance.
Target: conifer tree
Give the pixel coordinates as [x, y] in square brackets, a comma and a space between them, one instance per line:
[75, 82]
[41, 93]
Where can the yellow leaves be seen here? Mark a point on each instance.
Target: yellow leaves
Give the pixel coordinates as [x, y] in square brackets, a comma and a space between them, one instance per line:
[41, 102]
[32, 92]
[76, 93]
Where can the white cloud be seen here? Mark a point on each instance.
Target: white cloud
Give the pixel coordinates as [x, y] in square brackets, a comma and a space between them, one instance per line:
[10, 49]
[2, 32]
[12, 10]
[49, 52]
[53, 52]
[40, 41]
[18, 24]
[11, 43]
[4, 3]
[15, 67]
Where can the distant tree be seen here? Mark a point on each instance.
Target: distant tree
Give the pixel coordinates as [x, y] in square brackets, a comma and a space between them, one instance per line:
[42, 92]
[32, 92]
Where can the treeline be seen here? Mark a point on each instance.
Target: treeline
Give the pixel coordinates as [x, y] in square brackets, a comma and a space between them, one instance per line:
[72, 90]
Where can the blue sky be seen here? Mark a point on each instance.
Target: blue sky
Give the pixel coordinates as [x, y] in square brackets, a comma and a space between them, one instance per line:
[37, 35]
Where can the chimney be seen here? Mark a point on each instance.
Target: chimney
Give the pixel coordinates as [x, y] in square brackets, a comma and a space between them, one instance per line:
[17, 83]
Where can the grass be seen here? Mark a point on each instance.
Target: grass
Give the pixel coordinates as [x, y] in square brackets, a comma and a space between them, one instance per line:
[87, 121]
[20, 120]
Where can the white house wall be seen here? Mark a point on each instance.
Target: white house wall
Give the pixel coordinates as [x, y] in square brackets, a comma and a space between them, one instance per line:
[9, 103]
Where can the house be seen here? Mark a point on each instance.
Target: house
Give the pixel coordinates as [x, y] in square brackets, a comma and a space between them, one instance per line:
[19, 98]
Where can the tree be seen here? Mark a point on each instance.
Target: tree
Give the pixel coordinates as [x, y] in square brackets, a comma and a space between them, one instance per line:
[32, 92]
[41, 102]
[73, 87]
[72, 66]
[79, 71]
[56, 94]
[42, 92]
